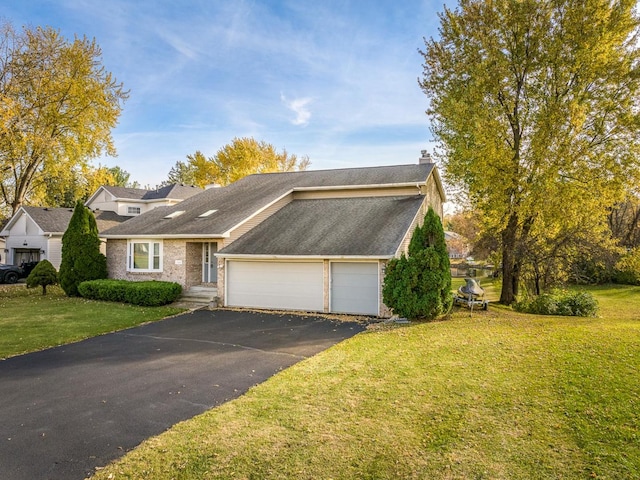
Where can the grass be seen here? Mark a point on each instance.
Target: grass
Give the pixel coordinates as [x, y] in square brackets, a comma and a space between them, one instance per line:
[30, 321]
[488, 395]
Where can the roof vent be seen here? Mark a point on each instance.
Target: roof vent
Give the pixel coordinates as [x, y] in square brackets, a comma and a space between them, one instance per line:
[212, 185]
[425, 158]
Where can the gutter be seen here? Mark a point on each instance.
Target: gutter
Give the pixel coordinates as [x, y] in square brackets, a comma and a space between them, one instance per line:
[240, 256]
[165, 236]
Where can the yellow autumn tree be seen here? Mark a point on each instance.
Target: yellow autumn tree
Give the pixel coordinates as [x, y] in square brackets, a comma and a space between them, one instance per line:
[243, 156]
[58, 105]
[534, 104]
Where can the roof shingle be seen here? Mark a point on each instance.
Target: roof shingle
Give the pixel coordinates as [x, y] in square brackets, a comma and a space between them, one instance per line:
[56, 220]
[238, 201]
[174, 191]
[366, 226]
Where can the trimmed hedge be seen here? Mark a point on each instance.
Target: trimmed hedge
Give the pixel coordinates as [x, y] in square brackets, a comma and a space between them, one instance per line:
[147, 294]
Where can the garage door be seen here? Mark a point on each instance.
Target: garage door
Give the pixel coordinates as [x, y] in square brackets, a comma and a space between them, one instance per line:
[354, 288]
[278, 285]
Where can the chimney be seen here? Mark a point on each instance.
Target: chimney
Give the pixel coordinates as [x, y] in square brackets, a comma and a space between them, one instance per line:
[425, 158]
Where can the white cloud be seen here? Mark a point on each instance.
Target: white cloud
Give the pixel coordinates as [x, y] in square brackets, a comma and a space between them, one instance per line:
[300, 107]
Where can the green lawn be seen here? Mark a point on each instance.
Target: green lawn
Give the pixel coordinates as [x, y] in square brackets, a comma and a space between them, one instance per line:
[30, 321]
[492, 395]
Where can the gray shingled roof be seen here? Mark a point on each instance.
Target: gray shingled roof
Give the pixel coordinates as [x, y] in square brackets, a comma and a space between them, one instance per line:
[176, 191]
[50, 220]
[56, 220]
[238, 201]
[366, 226]
[106, 220]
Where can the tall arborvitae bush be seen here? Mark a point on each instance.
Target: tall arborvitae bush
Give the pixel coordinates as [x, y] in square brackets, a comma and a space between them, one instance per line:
[418, 286]
[81, 257]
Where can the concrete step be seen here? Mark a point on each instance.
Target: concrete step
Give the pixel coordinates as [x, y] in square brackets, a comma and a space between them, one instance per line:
[199, 294]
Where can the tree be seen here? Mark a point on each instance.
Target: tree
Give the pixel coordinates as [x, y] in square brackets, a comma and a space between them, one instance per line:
[181, 173]
[58, 106]
[79, 183]
[242, 157]
[81, 257]
[534, 105]
[43, 274]
[624, 221]
[419, 285]
[120, 177]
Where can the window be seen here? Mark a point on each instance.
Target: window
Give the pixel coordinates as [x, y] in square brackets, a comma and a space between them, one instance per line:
[133, 210]
[207, 213]
[144, 256]
[175, 214]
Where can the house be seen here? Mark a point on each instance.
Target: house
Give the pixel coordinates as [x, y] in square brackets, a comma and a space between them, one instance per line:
[457, 245]
[35, 233]
[311, 240]
[135, 201]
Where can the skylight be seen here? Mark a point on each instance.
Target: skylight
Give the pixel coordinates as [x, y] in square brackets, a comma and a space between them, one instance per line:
[207, 213]
[175, 214]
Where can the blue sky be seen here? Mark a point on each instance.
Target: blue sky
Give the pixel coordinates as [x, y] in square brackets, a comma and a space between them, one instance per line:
[334, 80]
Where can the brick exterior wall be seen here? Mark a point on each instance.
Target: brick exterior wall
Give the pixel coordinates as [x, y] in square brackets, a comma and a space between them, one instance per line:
[182, 262]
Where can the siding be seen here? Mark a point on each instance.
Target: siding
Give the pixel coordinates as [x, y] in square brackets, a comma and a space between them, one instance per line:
[54, 251]
[259, 218]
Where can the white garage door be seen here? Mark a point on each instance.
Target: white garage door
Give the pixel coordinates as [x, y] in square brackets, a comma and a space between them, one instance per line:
[354, 288]
[278, 285]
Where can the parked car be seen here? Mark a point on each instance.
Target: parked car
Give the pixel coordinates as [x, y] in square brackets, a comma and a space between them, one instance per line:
[11, 273]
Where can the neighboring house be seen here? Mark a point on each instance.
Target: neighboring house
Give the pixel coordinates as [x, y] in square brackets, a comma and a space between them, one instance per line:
[130, 202]
[310, 240]
[35, 233]
[3, 255]
[457, 245]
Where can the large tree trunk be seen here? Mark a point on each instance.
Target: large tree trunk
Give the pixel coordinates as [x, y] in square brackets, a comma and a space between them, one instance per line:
[510, 262]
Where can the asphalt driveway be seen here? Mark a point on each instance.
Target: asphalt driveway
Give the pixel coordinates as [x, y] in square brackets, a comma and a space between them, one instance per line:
[66, 410]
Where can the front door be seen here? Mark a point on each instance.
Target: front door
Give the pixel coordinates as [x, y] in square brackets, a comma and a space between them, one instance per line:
[209, 262]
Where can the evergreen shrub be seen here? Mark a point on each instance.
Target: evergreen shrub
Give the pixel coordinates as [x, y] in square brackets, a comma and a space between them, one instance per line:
[81, 257]
[42, 275]
[418, 285]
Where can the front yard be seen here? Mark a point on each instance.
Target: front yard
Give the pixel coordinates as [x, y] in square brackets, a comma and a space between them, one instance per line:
[30, 321]
[494, 395]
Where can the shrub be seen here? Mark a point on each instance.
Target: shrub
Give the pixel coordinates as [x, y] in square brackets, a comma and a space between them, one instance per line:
[560, 302]
[148, 294]
[419, 285]
[43, 274]
[627, 270]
